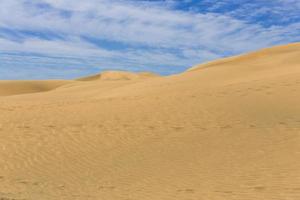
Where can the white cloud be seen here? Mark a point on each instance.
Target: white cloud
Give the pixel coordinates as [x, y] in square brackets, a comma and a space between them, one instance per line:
[155, 35]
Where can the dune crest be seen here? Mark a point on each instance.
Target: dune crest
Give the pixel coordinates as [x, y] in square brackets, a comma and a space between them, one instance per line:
[258, 55]
[228, 131]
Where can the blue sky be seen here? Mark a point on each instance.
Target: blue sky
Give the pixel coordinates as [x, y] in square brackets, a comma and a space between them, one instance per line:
[62, 39]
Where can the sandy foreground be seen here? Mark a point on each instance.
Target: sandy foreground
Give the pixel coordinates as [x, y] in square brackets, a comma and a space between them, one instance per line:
[225, 130]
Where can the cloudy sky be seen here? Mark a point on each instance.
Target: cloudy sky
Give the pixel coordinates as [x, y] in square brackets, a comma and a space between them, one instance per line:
[60, 39]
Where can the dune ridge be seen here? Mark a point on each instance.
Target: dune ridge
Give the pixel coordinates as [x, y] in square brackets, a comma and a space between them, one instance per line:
[271, 51]
[228, 129]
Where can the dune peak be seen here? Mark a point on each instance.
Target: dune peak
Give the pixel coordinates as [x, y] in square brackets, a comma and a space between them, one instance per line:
[118, 75]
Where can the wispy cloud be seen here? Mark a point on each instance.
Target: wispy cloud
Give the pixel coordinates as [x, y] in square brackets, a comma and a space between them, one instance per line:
[163, 37]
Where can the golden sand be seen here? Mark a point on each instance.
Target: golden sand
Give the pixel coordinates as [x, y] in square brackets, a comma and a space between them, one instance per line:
[225, 130]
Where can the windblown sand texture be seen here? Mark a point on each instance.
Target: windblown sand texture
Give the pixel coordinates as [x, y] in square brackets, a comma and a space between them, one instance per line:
[225, 130]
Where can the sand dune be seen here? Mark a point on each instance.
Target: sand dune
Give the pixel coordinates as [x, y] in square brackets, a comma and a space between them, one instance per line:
[9, 88]
[229, 129]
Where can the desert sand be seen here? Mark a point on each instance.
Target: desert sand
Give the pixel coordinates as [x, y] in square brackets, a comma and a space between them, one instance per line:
[225, 130]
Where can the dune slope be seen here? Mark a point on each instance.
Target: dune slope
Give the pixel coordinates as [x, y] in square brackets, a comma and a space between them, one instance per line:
[8, 88]
[229, 129]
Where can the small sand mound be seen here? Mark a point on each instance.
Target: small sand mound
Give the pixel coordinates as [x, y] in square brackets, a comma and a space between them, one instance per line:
[118, 75]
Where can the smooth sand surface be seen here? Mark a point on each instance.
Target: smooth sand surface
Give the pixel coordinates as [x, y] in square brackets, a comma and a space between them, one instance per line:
[225, 130]
[8, 88]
